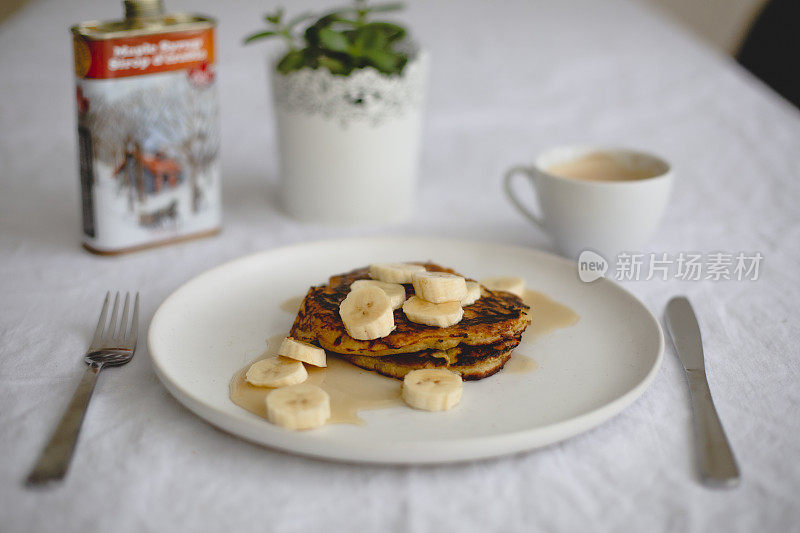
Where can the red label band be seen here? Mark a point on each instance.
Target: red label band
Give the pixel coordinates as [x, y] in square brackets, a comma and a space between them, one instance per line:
[148, 54]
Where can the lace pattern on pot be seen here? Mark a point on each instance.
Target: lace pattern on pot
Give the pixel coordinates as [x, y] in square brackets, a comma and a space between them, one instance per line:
[364, 96]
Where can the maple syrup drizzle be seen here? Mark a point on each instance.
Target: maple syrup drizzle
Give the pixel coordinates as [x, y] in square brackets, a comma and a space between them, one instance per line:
[353, 389]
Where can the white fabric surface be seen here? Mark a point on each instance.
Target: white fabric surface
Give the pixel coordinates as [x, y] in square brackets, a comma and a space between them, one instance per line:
[508, 80]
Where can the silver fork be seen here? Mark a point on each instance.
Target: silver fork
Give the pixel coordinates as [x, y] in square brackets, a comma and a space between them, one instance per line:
[111, 346]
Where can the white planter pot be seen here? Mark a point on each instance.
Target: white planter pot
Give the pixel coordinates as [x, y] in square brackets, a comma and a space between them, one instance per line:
[349, 146]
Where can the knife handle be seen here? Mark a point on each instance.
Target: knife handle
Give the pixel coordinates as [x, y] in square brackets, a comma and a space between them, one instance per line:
[717, 464]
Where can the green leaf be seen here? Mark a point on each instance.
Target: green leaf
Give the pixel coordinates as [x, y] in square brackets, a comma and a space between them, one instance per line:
[293, 60]
[311, 36]
[333, 40]
[275, 18]
[334, 65]
[328, 19]
[370, 37]
[259, 35]
[393, 32]
[386, 62]
[339, 41]
[312, 32]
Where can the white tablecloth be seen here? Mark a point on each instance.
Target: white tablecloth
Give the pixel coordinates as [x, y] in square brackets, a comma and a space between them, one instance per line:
[508, 79]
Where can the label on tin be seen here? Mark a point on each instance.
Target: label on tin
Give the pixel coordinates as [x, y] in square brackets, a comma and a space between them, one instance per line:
[134, 56]
[148, 137]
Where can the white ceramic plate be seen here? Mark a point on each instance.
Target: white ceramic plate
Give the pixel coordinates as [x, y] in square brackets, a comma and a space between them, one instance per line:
[219, 321]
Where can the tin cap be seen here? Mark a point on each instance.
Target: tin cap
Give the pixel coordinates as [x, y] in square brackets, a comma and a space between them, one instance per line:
[141, 9]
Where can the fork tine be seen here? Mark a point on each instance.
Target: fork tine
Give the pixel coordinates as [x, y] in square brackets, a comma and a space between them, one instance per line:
[112, 326]
[98, 333]
[132, 336]
[123, 324]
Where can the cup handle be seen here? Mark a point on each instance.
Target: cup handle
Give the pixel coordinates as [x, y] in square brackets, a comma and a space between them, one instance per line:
[512, 197]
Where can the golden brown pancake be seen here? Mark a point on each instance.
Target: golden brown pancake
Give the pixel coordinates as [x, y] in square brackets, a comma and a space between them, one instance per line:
[495, 317]
[477, 347]
[477, 363]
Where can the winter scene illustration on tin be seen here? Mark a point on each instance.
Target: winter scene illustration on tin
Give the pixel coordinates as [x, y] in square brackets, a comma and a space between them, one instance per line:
[152, 144]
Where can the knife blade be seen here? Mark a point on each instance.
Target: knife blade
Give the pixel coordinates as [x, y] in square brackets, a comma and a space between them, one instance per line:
[718, 466]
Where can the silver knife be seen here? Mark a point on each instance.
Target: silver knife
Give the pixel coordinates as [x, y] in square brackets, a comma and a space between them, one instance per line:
[717, 464]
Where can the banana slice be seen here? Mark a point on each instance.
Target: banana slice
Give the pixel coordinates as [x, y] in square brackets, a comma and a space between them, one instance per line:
[302, 351]
[275, 372]
[439, 287]
[439, 315]
[432, 389]
[367, 314]
[473, 293]
[510, 284]
[303, 406]
[394, 272]
[395, 291]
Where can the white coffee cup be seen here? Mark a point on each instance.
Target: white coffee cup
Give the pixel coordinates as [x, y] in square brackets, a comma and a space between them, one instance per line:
[608, 216]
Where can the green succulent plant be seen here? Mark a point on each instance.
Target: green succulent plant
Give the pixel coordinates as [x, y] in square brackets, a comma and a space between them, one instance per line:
[341, 40]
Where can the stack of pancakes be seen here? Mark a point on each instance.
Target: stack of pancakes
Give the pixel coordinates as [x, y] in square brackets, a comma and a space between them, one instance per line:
[477, 347]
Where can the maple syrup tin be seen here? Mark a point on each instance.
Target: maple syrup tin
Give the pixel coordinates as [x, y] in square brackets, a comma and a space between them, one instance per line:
[148, 128]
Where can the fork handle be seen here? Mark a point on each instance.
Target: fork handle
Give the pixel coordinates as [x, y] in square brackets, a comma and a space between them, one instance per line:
[54, 459]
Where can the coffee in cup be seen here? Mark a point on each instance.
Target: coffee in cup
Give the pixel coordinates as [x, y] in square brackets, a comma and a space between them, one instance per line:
[604, 166]
[595, 198]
